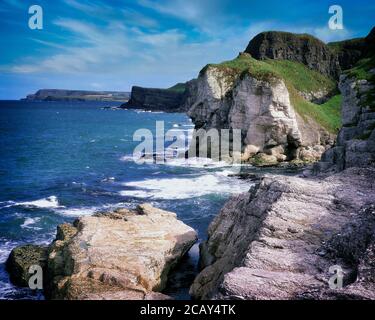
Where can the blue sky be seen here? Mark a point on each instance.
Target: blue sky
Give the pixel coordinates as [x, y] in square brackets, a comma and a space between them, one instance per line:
[112, 45]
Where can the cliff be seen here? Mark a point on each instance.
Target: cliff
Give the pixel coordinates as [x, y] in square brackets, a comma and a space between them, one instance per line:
[167, 100]
[283, 95]
[77, 95]
[349, 52]
[287, 236]
[355, 145]
[301, 48]
[269, 101]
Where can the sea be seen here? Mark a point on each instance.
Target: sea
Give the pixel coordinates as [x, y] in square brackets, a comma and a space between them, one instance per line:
[62, 160]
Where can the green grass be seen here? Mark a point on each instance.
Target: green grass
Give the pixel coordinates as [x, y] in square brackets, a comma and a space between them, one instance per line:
[361, 71]
[328, 114]
[339, 46]
[298, 78]
[301, 77]
[179, 87]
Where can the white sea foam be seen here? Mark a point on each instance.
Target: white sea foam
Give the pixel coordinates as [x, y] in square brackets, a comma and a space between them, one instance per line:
[196, 162]
[29, 222]
[88, 211]
[45, 203]
[7, 204]
[50, 202]
[184, 188]
[78, 212]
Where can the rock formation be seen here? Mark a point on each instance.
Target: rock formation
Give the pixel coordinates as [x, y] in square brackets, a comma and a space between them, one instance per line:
[121, 255]
[302, 48]
[272, 131]
[285, 237]
[167, 100]
[269, 100]
[355, 145]
[349, 52]
[21, 259]
[279, 240]
[77, 95]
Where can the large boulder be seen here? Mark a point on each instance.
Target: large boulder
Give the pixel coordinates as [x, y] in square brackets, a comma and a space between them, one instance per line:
[279, 240]
[21, 259]
[126, 254]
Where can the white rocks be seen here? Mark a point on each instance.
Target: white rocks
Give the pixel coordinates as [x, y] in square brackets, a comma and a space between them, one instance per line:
[260, 108]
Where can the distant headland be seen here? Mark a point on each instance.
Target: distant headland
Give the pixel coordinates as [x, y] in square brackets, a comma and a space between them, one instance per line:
[77, 95]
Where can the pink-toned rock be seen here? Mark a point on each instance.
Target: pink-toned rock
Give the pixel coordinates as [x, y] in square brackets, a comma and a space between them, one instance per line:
[121, 255]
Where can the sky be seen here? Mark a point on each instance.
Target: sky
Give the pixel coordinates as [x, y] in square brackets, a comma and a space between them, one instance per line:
[113, 45]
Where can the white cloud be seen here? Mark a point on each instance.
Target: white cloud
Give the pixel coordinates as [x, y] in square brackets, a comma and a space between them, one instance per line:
[206, 16]
[137, 19]
[328, 35]
[94, 8]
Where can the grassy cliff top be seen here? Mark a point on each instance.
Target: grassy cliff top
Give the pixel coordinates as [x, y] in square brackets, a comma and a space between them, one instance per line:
[179, 87]
[338, 46]
[298, 78]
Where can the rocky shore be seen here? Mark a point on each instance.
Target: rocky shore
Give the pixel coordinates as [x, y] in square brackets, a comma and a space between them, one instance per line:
[279, 240]
[285, 237]
[126, 254]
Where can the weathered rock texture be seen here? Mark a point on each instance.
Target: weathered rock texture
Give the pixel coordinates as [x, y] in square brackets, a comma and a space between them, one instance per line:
[296, 47]
[355, 145]
[279, 240]
[271, 130]
[155, 99]
[349, 52]
[21, 259]
[121, 255]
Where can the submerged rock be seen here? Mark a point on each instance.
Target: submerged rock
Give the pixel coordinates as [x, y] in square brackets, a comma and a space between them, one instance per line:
[279, 240]
[122, 255]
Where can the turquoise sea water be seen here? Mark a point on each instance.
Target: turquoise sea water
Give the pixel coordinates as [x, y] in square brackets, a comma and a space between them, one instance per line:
[60, 160]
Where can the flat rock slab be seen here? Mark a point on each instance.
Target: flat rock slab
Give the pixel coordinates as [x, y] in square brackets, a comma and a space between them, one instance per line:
[126, 254]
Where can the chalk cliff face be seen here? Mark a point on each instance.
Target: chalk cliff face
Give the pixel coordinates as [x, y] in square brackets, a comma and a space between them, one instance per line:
[271, 130]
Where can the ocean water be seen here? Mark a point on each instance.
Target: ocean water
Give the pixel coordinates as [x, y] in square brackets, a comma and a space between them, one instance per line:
[61, 160]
